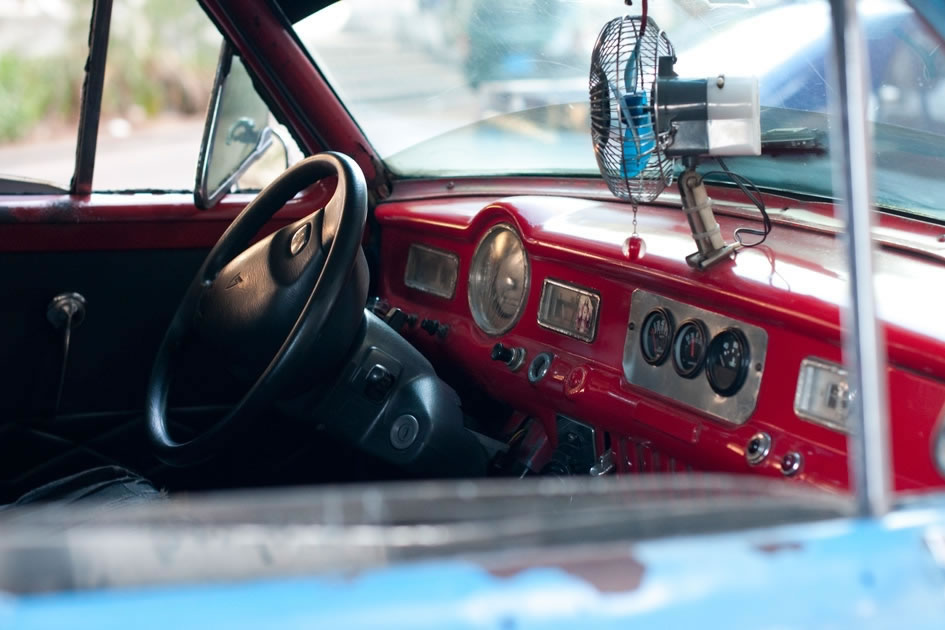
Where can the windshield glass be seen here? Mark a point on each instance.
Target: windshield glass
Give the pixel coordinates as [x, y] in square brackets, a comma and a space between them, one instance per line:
[488, 87]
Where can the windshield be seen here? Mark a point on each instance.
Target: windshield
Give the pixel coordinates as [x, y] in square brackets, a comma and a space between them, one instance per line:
[499, 87]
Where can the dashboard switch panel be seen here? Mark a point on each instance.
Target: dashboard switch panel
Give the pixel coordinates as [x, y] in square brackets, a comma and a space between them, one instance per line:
[576, 453]
[736, 402]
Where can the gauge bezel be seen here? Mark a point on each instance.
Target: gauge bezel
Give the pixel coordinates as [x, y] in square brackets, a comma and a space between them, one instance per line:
[661, 359]
[486, 326]
[742, 374]
[549, 287]
[444, 257]
[677, 338]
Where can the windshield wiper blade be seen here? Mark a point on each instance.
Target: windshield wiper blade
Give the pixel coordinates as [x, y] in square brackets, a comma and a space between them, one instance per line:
[793, 140]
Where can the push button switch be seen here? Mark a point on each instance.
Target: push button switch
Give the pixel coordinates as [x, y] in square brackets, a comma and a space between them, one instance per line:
[404, 432]
[378, 383]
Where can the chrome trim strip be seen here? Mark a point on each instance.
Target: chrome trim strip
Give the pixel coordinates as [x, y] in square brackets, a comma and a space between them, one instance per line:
[868, 446]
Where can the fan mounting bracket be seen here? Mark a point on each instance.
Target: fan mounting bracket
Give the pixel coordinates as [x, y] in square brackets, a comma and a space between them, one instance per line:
[697, 206]
[700, 261]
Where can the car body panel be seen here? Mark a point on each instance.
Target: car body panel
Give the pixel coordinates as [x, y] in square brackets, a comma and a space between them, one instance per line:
[806, 576]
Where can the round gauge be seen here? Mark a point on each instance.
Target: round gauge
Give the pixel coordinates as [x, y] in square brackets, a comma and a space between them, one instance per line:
[498, 280]
[656, 336]
[727, 360]
[689, 348]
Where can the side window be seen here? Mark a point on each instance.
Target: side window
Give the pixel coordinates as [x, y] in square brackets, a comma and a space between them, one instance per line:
[159, 71]
[162, 59]
[43, 47]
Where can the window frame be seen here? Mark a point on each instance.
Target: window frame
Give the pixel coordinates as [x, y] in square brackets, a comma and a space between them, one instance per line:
[204, 198]
[90, 105]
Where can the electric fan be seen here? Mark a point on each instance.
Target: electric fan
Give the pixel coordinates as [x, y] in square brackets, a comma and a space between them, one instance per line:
[643, 117]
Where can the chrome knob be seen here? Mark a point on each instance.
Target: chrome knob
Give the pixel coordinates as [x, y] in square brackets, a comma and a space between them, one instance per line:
[758, 448]
[66, 310]
[791, 464]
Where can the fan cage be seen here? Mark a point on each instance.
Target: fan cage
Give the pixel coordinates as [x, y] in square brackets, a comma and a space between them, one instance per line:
[630, 156]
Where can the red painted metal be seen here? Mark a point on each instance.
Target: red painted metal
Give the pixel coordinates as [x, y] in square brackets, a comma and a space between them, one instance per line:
[791, 287]
[134, 221]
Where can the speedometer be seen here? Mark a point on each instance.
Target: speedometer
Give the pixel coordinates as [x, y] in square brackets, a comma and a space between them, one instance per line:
[498, 280]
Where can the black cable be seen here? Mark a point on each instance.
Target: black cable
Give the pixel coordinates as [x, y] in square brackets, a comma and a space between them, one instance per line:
[754, 195]
[66, 338]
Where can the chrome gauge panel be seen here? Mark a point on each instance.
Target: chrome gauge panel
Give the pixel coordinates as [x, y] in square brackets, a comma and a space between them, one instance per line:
[687, 379]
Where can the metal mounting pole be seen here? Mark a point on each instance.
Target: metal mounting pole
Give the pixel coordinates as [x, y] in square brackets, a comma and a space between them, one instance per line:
[865, 349]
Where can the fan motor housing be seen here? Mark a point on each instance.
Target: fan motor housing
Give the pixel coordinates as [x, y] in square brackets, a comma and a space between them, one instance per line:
[718, 116]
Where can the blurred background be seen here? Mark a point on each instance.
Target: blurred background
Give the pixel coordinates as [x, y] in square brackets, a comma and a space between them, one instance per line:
[415, 70]
[161, 59]
[409, 70]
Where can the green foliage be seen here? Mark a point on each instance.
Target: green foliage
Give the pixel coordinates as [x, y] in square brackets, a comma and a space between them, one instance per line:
[34, 90]
[161, 58]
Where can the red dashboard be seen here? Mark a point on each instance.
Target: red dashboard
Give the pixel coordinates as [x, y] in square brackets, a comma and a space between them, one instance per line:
[791, 287]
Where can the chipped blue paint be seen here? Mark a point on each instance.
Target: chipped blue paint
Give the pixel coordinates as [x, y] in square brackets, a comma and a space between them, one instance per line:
[840, 574]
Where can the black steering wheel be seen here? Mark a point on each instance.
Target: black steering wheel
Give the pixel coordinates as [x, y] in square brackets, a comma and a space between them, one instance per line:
[272, 299]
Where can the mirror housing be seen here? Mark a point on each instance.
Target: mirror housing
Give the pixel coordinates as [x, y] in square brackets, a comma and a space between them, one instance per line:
[236, 133]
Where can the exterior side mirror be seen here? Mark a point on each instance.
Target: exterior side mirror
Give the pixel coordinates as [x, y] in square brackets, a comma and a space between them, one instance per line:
[236, 134]
[268, 164]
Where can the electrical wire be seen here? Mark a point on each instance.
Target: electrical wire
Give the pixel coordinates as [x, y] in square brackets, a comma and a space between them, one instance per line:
[754, 195]
[66, 339]
[643, 12]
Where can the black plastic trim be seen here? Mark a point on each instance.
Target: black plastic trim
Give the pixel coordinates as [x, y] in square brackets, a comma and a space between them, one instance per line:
[91, 108]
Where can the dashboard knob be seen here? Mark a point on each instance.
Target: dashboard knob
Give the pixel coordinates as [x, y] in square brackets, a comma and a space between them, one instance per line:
[378, 382]
[758, 448]
[502, 353]
[433, 327]
[791, 463]
[512, 357]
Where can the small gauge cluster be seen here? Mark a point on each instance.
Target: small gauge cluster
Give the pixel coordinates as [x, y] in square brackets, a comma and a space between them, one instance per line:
[697, 357]
[726, 357]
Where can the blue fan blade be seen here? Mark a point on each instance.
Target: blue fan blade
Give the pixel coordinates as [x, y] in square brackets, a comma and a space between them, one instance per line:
[638, 140]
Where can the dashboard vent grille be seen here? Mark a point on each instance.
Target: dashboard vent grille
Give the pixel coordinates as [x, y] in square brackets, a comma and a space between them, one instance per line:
[641, 458]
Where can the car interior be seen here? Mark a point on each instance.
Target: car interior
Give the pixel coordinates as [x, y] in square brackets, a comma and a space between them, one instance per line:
[349, 324]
